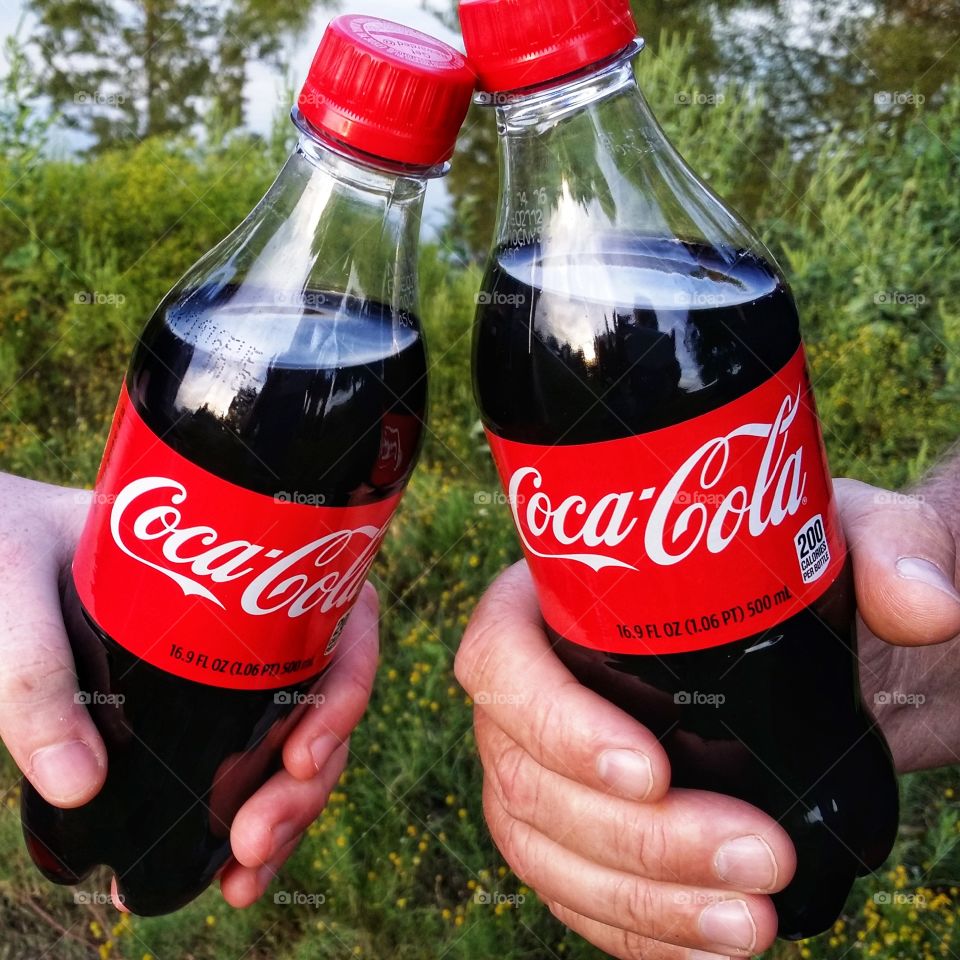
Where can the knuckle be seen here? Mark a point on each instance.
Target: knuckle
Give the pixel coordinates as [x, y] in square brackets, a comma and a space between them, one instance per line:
[354, 687]
[30, 552]
[618, 943]
[633, 946]
[35, 681]
[551, 730]
[14, 552]
[516, 781]
[485, 653]
[651, 847]
[638, 905]
[515, 840]
[520, 854]
[477, 653]
[564, 914]
[351, 683]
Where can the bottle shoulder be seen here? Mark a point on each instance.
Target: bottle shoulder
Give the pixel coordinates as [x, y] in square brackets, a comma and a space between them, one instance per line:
[295, 395]
[624, 335]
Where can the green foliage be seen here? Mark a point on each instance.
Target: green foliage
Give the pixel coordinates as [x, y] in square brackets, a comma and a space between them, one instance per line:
[401, 852]
[87, 250]
[869, 242]
[126, 70]
[23, 131]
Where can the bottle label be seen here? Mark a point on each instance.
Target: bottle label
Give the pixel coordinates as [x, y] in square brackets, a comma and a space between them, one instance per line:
[683, 538]
[213, 582]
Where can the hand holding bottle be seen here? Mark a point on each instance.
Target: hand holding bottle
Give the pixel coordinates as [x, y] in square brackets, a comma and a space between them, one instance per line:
[575, 788]
[45, 724]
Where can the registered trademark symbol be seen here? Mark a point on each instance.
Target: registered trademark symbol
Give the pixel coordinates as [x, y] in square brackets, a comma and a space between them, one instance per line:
[804, 501]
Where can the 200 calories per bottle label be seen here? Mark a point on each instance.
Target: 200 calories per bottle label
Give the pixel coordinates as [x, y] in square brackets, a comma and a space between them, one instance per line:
[686, 537]
[212, 582]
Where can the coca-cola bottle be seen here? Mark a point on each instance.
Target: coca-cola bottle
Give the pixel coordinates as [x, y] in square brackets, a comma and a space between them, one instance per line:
[640, 373]
[267, 427]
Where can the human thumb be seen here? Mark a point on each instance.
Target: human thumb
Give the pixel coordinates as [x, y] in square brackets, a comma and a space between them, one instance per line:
[904, 564]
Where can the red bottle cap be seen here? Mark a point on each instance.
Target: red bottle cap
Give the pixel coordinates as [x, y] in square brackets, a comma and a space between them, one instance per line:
[520, 43]
[388, 90]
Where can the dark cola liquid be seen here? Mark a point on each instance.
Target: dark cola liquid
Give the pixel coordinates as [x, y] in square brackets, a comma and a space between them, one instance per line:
[641, 335]
[279, 395]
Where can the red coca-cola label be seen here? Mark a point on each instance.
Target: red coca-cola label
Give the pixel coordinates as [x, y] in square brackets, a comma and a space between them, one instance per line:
[686, 537]
[213, 582]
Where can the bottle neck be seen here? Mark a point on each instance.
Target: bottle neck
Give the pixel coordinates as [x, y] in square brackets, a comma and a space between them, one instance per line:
[332, 222]
[585, 156]
[520, 110]
[323, 146]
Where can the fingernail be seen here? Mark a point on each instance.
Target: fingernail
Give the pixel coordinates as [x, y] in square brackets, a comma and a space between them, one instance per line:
[924, 571]
[322, 749]
[64, 771]
[628, 771]
[748, 863]
[729, 924]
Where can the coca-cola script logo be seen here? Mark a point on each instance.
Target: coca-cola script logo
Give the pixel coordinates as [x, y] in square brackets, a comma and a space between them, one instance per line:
[155, 534]
[716, 505]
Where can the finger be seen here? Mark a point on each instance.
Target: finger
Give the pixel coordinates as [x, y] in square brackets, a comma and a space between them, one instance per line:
[904, 564]
[694, 917]
[690, 837]
[243, 886]
[48, 732]
[506, 664]
[281, 810]
[624, 944]
[342, 693]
